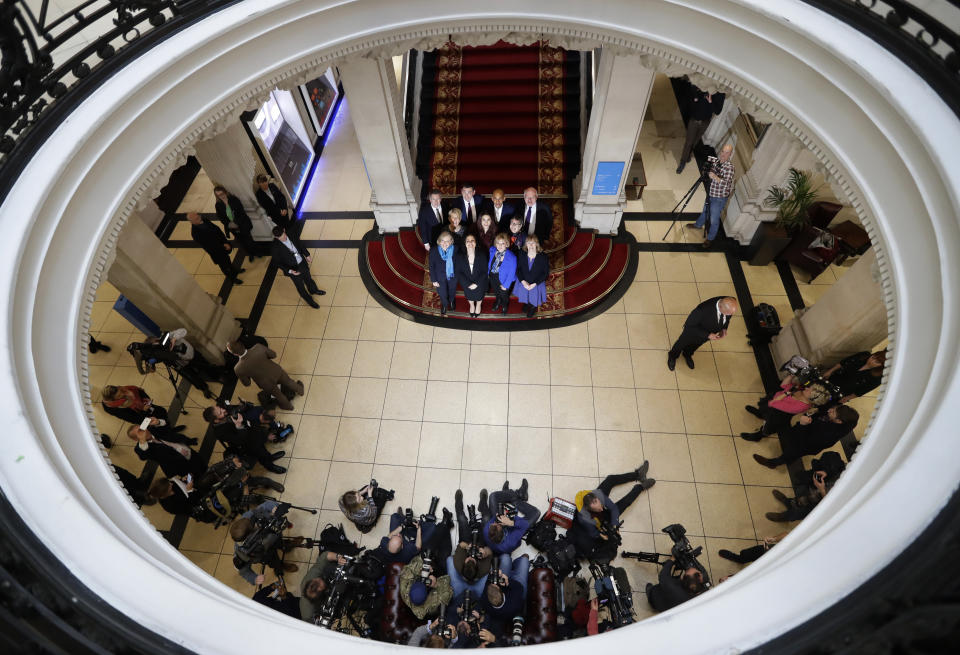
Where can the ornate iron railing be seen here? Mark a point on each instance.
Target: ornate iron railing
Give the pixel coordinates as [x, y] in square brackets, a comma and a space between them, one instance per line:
[50, 60]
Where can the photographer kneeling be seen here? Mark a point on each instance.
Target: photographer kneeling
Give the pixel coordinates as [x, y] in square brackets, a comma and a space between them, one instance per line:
[470, 563]
[259, 540]
[505, 597]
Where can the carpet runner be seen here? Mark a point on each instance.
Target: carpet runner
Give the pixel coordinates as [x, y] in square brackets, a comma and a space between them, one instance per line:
[508, 117]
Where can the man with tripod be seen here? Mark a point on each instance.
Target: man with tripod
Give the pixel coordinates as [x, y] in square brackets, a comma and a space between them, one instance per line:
[720, 171]
[259, 540]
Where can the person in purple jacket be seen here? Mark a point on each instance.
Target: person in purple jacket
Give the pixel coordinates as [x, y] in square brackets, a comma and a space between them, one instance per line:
[502, 269]
[503, 532]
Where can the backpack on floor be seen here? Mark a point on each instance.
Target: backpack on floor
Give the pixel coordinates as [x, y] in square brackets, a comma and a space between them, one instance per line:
[542, 535]
[562, 558]
[333, 538]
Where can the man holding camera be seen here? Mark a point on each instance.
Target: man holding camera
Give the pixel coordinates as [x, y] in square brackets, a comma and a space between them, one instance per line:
[719, 173]
[316, 582]
[595, 532]
[258, 534]
[513, 515]
[234, 429]
[470, 563]
[505, 596]
[673, 590]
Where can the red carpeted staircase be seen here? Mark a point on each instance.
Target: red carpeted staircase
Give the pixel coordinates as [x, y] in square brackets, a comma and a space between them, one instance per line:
[508, 117]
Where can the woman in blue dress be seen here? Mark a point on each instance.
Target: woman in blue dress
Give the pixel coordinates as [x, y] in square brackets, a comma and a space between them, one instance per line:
[533, 268]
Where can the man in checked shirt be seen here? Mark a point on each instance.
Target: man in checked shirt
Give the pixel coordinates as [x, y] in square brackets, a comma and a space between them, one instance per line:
[720, 170]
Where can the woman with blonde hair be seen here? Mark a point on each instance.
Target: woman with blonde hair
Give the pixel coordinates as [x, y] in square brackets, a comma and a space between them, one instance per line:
[442, 274]
[532, 272]
[501, 271]
[363, 506]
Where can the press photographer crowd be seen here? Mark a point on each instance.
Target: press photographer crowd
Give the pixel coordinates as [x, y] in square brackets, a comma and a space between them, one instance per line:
[443, 579]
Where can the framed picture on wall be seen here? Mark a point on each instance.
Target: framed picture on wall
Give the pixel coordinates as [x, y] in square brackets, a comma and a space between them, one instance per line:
[320, 96]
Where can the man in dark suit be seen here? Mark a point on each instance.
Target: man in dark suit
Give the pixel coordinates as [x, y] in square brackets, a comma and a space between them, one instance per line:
[468, 203]
[537, 217]
[500, 210]
[431, 215]
[211, 239]
[234, 217]
[707, 322]
[273, 201]
[294, 260]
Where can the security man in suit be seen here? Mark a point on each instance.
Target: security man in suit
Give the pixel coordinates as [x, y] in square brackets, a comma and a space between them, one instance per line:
[294, 260]
[536, 215]
[211, 239]
[707, 322]
[431, 215]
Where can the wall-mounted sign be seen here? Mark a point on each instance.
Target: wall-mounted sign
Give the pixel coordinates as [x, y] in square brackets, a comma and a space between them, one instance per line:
[607, 180]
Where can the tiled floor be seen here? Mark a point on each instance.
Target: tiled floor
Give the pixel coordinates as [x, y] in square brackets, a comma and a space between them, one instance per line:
[428, 410]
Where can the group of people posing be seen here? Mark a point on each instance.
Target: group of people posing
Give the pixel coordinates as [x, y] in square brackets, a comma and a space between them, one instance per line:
[487, 245]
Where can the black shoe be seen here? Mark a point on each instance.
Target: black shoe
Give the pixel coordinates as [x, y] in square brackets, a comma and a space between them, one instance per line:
[531, 310]
[313, 304]
[641, 471]
[506, 486]
[680, 167]
[453, 306]
[523, 491]
[443, 310]
[236, 280]
[496, 306]
[692, 226]
[391, 494]
[778, 517]
[458, 501]
[753, 410]
[769, 463]
[646, 483]
[179, 428]
[104, 347]
[319, 292]
[782, 497]
[503, 310]
[277, 455]
[192, 441]
[671, 362]
[242, 270]
[707, 243]
[447, 518]
[273, 468]
[752, 436]
[688, 359]
[105, 440]
[726, 554]
[482, 505]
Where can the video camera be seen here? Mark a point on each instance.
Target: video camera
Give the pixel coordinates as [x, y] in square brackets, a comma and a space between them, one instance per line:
[260, 546]
[351, 589]
[613, 591]
[148, 354]
[807, 375]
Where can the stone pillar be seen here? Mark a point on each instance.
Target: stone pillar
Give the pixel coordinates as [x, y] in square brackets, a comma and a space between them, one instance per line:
[716, 133]
[777, 152]
[848, 318]
[230, 160]
[375, 106]
[147, 273]
[623, 88]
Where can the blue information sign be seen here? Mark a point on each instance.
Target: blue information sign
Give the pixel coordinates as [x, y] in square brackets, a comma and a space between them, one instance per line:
[607, 180]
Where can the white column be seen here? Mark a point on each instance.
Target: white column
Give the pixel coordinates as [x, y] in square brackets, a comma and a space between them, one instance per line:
[376, 109]
[719, 127]
[622, 90]
[230, 160]
[848, 318]
[777, 153]
[147, 273]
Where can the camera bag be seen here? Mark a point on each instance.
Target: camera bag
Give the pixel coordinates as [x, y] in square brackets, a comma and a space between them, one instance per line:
[542, 535]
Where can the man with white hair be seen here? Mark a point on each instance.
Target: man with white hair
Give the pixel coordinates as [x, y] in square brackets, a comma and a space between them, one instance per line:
[720, 170]
[536, 215]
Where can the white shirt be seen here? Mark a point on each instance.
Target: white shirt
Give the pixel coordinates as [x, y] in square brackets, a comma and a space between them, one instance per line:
[533, 217]
[292, 248]
[471, 209]
[498, 210]
[719, 315]
[436, 212]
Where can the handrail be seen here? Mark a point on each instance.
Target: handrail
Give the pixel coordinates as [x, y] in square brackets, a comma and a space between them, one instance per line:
[930, 48]
[37, 93]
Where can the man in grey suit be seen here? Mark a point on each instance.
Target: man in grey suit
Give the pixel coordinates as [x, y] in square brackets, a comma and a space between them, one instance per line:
[256, 364]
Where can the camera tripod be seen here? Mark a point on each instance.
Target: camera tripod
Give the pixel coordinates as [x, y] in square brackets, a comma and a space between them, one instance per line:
[641, 556]
[176, 388]
[685, 200]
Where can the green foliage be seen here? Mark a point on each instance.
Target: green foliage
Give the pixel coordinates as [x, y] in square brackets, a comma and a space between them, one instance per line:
[792, 200]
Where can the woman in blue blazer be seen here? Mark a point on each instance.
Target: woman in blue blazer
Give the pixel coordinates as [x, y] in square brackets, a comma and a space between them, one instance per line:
[442, 273]
[502, 269]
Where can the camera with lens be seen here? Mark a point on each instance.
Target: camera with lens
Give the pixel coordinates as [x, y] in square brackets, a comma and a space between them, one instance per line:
[516, 631]
[808, 375]
[426, 568]
[613, 591]
[147, 354]
[261, 544]
[508, 509]
[494, 576]
[352, 588]
[683, 552]
[470, 611]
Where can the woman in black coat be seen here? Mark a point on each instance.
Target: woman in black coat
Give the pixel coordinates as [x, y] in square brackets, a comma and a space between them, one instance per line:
[442, 274]
[471, 271]
[234, 217]
[533, 269]
[170, 451]
[273, 201]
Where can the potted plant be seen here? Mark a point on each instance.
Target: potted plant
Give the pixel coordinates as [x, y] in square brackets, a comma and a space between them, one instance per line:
[792, 201]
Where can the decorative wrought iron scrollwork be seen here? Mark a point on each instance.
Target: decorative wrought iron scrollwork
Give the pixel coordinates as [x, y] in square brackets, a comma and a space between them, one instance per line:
[45, 54]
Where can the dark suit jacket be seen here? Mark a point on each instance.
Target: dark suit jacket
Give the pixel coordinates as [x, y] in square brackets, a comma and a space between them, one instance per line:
[169, 460]
[239, 214]
[467, 276]
[509, 211]
[538, 272]
[178, 503]
[438, 267]
[210, 238]
[272, 203]
[702, 321]
[477, 203]
[544, 221]
[668, 593]
[284, 259]
[427, 221]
